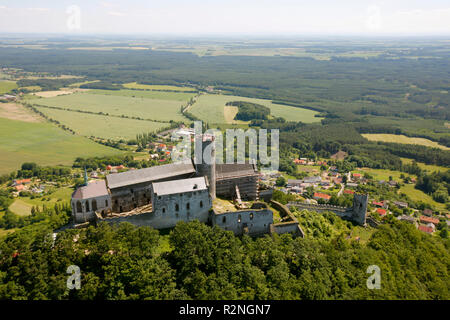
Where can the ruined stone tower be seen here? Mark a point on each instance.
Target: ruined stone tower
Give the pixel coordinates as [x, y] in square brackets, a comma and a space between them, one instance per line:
[360, 202]
[208, 166]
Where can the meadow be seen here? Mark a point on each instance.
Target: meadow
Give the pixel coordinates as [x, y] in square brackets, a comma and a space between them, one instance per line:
[22, 206]
[428, 167]
[44, 144]
[398, 138]
[100, 126]
[211, 108]
[139, 86]
[7, 86]
[146, 94]
[408, 189]
[161, 106]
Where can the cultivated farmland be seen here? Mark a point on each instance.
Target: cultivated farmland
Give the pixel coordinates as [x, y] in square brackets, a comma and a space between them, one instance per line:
[161, 106]
[106, 127]
[211, 108]
[44, 144]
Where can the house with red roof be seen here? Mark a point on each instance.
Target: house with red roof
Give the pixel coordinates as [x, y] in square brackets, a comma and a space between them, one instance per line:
[426, 220]
[323, 196]
[378, 204]
[357, 175]
[381, 212]
[346, 191]
[426, 229]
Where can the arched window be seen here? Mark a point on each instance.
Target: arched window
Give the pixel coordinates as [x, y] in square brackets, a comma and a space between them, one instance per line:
[224, 219]
[239, 218]
[106, 203]
[79, 209]
[163, 210]
[188, 206]
[201, 204]
[94, 205]
[87, 206]
[177, 207]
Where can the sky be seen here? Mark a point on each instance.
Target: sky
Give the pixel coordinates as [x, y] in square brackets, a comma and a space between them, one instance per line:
[205, 17]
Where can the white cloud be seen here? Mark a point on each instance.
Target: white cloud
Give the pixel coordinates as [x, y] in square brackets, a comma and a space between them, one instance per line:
[374, 18]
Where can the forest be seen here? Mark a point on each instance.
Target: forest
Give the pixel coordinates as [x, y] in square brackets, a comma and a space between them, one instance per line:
[196, 261]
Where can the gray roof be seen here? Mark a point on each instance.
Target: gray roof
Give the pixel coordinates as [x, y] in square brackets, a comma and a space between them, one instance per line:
[156, 173]
[233, 170]
[179, 186]
[92, 190]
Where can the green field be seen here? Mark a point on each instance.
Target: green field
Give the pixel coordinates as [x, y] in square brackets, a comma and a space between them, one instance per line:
[211, 108]
[99, 126]
[164, 106]
[135, 85]
[22, 206]
[146, 94]
[427, 167]
[382, 174]
[398, 138]
[7, 86]
[44, 144]
[418, 195]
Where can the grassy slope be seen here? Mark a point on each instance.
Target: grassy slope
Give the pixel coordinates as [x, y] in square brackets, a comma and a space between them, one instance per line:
[42, 143]
[210, 108]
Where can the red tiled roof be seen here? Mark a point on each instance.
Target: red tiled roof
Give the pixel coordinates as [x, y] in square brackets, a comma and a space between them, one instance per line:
[380, 204]
[425, 219]
[381, 212]
[426, 229]
[322, 195]
[349, 191]
[19, 187]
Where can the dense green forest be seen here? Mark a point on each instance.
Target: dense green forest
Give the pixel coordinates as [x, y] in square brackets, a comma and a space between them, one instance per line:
[200, 262]
[248, 111]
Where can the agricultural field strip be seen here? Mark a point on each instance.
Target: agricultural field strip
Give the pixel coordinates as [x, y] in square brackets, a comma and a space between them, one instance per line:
[101, 126]
[211, 108]
[117, 105]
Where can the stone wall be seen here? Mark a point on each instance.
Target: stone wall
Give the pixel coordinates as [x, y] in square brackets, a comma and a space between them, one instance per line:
[130, 197]
[181, 207]
[253, 222]
[83, 210]
[290, 226]
[357, 213]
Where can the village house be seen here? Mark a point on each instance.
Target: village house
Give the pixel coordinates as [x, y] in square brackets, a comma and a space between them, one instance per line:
[401, 204]
[426, 229]
[427, 220]
[323, 196]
